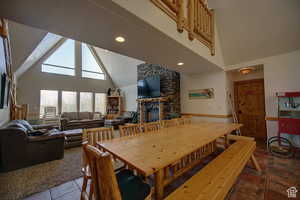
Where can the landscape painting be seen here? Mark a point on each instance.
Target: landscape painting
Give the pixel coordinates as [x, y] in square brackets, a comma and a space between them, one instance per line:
[201, 94]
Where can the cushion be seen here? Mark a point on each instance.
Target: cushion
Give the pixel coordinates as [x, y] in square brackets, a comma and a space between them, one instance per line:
[127, 114]
[132, 187]
[84, 115]
[14, 124]
[97, 115]
[70, 115]
[26, 124]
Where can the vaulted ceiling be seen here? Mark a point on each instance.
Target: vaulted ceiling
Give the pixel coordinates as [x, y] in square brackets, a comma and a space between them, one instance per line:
[248, 30]
[256, 29]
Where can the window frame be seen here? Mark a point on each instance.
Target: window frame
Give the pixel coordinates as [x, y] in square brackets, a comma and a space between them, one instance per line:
[97, 60]
[76, 100]
[51, 52]
[105, 102]
[41, 115]
[92, 101]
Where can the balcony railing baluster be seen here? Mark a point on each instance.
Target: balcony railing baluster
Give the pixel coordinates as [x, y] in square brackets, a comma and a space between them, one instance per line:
[197, 19]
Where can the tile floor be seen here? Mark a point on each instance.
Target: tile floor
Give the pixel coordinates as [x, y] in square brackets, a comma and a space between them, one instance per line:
[277, 176]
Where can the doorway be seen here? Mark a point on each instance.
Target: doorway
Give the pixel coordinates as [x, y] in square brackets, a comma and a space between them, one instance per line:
[250, 108]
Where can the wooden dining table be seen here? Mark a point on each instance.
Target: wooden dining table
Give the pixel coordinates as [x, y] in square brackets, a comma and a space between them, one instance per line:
[150, 153]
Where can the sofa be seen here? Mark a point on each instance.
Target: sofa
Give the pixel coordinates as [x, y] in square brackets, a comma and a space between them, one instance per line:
[78, 120]
[125, 117]
[19, 147]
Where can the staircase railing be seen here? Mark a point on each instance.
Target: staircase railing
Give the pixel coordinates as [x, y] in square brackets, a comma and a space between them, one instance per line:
[193, 16]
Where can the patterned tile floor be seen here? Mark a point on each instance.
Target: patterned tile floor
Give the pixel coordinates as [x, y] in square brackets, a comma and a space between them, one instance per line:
[277, 176]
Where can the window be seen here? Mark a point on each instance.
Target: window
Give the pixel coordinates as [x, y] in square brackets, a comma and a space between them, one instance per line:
[62, 61]
[86, 102]
[90, 66]
[69, 101]
[48, 98]
[100, 103]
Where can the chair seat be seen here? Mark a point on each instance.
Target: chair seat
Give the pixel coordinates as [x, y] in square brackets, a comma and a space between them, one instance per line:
[132, 187]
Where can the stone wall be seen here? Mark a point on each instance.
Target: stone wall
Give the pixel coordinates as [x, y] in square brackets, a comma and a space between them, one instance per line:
[169, 85]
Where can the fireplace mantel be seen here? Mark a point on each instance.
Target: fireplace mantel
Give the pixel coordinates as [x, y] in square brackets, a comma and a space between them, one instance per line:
[146, 101]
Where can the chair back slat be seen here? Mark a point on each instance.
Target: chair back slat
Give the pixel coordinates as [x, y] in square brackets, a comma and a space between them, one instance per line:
[94, 135]
[152, 126]
[169, 123]
[184, 120]
[131, 130]
[187, 119]
[104, 180]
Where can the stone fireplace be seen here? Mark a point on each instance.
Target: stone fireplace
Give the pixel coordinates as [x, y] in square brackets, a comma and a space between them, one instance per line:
[170, 88]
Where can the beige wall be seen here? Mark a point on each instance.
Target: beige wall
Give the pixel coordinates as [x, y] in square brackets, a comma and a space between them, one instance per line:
[33, 80]
[216, 106]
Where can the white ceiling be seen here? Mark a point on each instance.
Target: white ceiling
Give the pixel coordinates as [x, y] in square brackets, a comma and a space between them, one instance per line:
[98, 24]
[248, 30]
[256, 29]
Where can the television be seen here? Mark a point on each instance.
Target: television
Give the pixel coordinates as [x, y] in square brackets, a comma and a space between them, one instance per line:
[149, 87]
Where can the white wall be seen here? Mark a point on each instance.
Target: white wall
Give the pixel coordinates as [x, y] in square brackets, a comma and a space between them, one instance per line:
[122, 69]
[129, 94]
[281, 74]
[148, 12]
[34, 80]
[216, 106]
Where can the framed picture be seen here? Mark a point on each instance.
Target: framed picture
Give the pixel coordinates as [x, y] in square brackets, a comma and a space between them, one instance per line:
[201, 94]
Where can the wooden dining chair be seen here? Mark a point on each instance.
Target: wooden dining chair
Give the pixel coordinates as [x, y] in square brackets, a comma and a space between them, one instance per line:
[187, 119]
[91, 137]
[169, 123]
[152, 126]
[131, 129]
[184, 120]
[110, 186]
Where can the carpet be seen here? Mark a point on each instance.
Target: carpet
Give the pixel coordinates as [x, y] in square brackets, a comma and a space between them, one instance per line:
[23, 182]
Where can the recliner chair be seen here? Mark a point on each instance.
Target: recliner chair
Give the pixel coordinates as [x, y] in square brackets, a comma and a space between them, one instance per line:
[19, 150]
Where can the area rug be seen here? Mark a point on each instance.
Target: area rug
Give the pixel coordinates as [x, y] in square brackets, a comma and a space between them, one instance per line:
[23, 182]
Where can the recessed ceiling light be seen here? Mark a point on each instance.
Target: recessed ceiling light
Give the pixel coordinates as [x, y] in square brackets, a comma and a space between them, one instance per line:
[120, 39]
[180, 63]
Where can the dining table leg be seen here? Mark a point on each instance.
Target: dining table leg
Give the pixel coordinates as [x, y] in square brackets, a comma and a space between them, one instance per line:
[226, 141]
[159, 184]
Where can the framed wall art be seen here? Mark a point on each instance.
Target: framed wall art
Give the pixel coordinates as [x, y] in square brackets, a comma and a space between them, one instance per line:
[201, 94]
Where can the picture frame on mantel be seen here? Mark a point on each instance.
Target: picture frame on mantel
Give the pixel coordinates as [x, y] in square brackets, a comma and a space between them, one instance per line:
[201, 94]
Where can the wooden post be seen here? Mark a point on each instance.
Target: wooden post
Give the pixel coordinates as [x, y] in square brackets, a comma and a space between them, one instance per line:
[255, 163]
[159, 184]
[212, 32]
[180, 15]
[3, 26]
[191, 19]
[161, 110]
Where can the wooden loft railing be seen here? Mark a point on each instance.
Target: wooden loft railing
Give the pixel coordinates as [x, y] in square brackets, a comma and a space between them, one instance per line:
[193, 16]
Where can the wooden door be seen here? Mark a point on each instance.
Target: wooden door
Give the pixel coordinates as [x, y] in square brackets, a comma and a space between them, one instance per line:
[250, 107]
